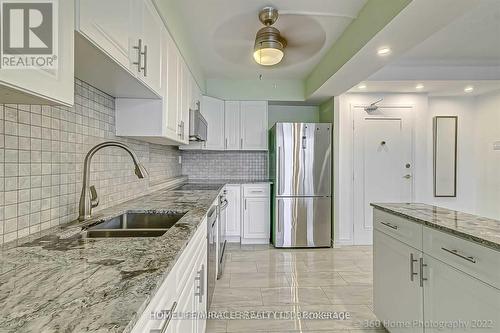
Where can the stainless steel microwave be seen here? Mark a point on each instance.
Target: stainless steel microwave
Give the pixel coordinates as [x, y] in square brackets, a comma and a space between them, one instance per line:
[198, 125]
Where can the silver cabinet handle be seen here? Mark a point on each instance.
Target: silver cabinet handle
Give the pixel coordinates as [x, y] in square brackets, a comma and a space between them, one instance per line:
[139, 55]
[145, 67]
[182, 128]
[164, 327]
[412, 272]
[241, 143]
[201, 285]
[458, 254]
[225, 144]
[387, 224]
[256, 191]
[422, 265]
[245, 204]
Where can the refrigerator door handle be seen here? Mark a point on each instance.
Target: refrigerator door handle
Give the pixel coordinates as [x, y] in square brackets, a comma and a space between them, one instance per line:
[278, 176]
[304, 142]
[278, 215]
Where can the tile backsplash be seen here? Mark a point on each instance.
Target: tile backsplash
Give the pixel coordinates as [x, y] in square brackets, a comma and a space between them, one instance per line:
[42, 149]
[225, 165]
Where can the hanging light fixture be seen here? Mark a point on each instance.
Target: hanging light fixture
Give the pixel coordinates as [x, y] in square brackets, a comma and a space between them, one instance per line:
[269, 44]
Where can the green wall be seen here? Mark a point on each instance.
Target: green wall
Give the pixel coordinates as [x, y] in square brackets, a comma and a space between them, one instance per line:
[292, 113]
[271, 90]
[326, 111]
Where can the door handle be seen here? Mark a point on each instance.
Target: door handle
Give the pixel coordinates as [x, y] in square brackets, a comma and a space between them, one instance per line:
[145, 67]
[407, 176]
[278, 174]
[422, 266]
[412, 261]
[458, 254]
[139, 55]
[278, 215]
[392, 226]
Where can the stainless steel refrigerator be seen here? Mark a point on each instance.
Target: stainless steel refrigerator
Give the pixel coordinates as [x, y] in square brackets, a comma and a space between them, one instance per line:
[301, 169]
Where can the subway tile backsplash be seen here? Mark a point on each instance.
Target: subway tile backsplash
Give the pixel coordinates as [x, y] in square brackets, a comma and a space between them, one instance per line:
[225, 165]
[42, 149]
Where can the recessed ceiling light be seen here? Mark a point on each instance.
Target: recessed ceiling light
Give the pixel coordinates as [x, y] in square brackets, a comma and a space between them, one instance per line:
[362, 86]
[469, 89]
[419, 86]
[383, 51]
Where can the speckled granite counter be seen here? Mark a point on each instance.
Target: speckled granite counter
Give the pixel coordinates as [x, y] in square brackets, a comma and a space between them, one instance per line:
[474, 228]
[65, 283]
[230, 181]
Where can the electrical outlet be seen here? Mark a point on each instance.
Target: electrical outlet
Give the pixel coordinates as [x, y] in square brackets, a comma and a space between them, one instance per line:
[180, 159]
[496, 145]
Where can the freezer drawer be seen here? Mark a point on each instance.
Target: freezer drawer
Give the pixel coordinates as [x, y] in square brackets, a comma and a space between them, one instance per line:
[302, 222]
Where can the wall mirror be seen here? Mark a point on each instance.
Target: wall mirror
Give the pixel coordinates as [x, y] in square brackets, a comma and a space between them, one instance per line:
[445, 156]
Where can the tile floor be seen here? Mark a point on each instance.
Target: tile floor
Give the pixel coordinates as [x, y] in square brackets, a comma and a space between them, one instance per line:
[262, 278]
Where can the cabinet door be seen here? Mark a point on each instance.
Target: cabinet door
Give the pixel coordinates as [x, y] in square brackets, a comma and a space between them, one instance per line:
[232, 125]
[150, 33]
[451, 296]
[112, 33]
[233, 211]
[397, 293]
[169, 85]
[256, 218]
[183, 111]
[253, 125]
[213, 111]
[54, 85]
[186, 305]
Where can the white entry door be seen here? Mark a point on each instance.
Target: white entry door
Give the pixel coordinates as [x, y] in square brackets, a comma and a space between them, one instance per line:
[383, 164]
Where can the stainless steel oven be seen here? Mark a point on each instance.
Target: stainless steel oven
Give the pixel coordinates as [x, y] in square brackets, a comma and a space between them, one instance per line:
[222, 233]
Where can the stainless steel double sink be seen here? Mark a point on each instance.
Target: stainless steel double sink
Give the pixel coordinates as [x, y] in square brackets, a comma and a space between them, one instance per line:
[134, 224]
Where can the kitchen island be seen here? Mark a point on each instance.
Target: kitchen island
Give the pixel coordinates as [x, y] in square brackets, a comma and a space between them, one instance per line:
[435, 269]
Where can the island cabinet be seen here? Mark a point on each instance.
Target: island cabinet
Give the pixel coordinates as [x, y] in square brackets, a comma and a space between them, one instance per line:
[428, 280]
[182, 297]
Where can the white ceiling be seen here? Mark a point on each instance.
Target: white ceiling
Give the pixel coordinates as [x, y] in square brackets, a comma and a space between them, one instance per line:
[223, 32]
[468, 47]
[433, 88]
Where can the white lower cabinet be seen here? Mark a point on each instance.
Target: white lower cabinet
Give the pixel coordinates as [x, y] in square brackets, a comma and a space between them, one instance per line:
[183, 293]
[233, 212]
[453, 287]
[396, 287]
[457, 302]
[256, 214]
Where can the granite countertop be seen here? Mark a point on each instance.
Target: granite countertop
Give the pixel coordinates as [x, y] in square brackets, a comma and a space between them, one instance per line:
[62, 282]
[478, 229]
[230, 181]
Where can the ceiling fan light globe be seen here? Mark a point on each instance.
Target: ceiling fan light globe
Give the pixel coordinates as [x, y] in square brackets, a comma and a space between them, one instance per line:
[268, 56]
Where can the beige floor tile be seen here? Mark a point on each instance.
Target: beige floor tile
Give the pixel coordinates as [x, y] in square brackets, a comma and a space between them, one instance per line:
[260, 280]
[216, 326]
[357, 294]
[358, 316]
[237, 296]
[315, 279]
[282, 267]
[292, 295]
[240, 267]
[357, 278]
[332, 265]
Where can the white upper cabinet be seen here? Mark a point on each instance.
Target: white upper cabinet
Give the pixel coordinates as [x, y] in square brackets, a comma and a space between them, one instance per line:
[253, 125]
[118, 47]
[111, 32]
[213, 111]
[171, 89]
[150, 52]
[232, 125]
[46, 86]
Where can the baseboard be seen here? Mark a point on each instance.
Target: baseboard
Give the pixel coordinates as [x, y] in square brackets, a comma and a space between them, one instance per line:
[248, 241]
[233, 239]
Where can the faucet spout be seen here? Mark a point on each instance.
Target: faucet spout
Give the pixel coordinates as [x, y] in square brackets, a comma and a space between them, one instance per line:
[88, 198]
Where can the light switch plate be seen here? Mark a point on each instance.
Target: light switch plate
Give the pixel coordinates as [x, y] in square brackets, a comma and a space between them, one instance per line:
[496, 145]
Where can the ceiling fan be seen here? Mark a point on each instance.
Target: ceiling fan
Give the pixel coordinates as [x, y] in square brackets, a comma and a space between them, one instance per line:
[269, 44]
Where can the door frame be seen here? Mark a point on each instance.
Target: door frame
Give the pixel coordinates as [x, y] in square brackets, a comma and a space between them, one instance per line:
[354, 108]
